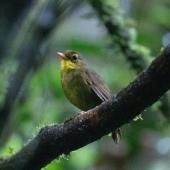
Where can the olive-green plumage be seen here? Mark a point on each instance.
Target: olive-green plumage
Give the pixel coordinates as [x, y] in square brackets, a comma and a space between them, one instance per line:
[82, 86]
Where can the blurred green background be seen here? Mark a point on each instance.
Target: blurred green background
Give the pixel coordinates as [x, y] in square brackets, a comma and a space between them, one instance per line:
[31, 32]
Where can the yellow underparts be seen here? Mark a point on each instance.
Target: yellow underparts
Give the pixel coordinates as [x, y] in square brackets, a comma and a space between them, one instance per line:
[67, 65]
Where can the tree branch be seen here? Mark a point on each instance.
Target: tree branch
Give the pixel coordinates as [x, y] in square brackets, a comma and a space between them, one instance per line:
[28, 52]
[121, 36]
[53, 141]
[119, 32]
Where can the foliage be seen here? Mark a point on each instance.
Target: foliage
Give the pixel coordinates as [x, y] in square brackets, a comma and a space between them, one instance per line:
[41, 100]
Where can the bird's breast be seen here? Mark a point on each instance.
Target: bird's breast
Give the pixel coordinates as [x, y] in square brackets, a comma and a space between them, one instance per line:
[78, 91]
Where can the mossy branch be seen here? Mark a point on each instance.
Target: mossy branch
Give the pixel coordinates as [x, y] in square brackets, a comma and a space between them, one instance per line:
[55, 140]
[121, 37]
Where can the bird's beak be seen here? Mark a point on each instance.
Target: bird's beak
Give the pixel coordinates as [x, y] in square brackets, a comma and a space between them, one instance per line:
[61, 55]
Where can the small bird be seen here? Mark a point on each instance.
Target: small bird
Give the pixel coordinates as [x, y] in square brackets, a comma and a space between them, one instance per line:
[83, 87]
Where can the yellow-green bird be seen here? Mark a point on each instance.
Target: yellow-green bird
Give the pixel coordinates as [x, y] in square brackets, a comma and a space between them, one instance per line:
[82, 86]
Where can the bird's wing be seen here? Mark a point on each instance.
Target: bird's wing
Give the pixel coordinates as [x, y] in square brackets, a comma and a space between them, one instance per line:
[101, 89]
[98, 85]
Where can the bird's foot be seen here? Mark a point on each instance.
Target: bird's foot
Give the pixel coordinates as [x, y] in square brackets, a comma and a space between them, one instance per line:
[82, 112]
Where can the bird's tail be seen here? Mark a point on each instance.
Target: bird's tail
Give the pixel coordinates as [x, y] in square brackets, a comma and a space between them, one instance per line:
[116, 135]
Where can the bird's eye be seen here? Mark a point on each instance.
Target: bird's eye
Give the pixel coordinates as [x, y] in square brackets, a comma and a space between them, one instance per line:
[75, 56]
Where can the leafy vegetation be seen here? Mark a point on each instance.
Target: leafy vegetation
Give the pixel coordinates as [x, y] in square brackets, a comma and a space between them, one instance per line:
[33, 29]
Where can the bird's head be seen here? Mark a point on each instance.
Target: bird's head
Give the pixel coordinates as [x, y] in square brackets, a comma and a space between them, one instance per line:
[70, 60]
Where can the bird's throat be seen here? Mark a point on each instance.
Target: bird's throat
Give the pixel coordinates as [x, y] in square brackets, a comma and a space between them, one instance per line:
[67, 65]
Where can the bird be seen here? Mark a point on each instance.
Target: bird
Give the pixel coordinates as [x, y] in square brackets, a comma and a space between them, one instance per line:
[82, 86]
